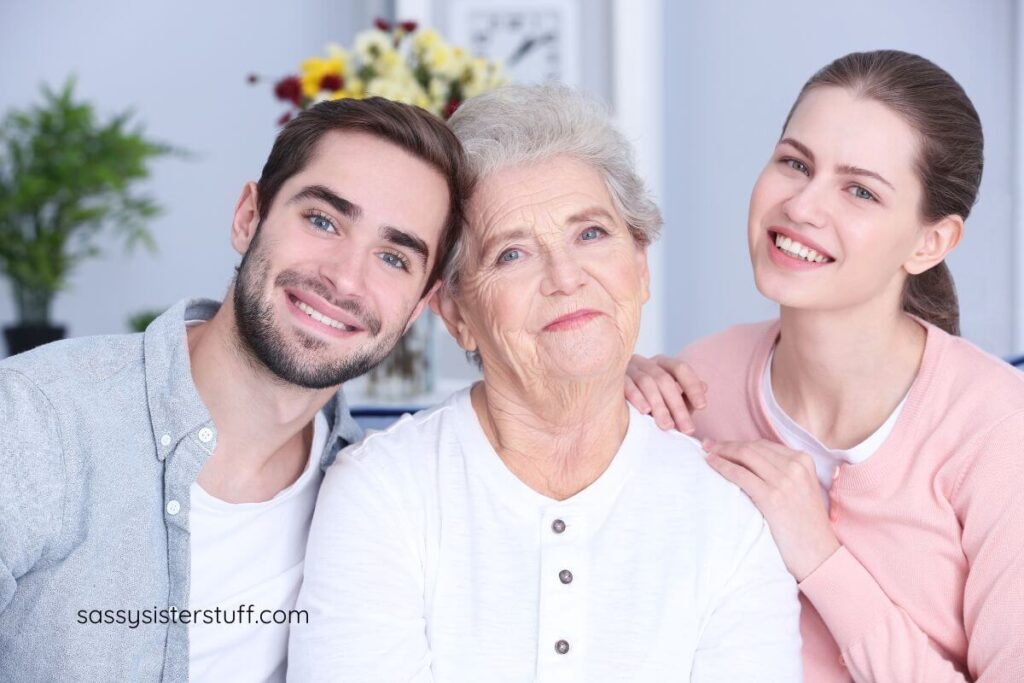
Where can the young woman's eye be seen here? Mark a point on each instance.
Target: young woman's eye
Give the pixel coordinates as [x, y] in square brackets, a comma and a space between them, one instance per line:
[861, 193]
[797, 165]
[592, 233]
[509, 255]
[320, 222]
[394, 260]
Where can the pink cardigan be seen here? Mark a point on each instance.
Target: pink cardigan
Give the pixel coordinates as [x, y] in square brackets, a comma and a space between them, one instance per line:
[929, 582]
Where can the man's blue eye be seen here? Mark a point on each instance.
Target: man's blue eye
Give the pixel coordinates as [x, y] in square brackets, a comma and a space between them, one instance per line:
[320, 222]
[393, 260]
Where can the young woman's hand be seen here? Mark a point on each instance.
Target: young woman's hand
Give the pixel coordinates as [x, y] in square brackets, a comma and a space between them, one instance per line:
[782, 483]
[666, 388]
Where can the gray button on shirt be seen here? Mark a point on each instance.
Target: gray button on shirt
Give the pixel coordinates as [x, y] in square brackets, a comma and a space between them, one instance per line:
[100, 440]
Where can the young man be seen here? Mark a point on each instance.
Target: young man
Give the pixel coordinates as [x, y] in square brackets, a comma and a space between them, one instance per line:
[157, 489]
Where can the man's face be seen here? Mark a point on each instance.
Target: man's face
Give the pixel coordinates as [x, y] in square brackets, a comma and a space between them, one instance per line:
[334, 274]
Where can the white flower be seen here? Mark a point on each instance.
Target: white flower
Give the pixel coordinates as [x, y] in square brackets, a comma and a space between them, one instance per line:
[371, 44]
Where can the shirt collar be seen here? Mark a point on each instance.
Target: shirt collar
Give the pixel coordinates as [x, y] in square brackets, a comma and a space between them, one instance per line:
[175, 407]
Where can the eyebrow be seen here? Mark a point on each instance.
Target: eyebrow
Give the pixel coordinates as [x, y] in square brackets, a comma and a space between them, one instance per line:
[846, 169]
[325, 194]
[592, 214]
[405, 239]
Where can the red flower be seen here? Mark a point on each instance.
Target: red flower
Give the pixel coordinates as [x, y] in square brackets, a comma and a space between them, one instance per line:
[290, 90]
[408, 26]
[382, 24]
[285, 118]
[332, 82]
[450, 108]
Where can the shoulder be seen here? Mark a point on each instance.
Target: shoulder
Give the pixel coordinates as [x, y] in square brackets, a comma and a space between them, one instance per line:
[401, 456]
[676, 464]
[979, 376]
[77, 360]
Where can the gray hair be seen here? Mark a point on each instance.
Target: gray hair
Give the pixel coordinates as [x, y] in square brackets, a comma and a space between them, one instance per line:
[522, 124]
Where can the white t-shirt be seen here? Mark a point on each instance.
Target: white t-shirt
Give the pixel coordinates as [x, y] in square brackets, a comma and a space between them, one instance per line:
[826, 459]
[429, 560]
[249, 554]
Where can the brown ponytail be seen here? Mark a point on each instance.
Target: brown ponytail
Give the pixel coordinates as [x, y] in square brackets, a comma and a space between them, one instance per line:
[950, 158]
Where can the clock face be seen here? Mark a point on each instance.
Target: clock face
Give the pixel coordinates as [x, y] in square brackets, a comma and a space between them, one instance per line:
[534, 39]
[528, 42]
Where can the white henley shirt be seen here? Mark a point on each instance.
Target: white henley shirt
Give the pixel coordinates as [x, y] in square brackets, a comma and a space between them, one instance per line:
[428, 560]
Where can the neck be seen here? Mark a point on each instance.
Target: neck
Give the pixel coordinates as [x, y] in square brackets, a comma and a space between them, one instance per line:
[258, 416]
[840, 374]
[557, 439]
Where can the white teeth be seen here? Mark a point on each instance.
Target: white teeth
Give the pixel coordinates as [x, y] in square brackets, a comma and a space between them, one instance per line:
[794, 248]
[319, 317]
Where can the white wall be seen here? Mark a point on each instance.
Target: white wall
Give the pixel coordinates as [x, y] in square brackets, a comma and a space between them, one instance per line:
[182, 66]
[732, 72]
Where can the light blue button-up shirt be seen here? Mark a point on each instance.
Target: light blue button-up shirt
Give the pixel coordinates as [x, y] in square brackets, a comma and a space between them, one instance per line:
[100, 440]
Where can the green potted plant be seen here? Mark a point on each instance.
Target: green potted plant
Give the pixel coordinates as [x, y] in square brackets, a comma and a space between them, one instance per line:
[66, 178]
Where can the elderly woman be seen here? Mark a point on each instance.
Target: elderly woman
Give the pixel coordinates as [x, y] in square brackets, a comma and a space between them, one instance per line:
[534, 526]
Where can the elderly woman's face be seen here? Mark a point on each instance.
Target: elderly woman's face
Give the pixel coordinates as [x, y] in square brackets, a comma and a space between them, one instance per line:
[554, 282]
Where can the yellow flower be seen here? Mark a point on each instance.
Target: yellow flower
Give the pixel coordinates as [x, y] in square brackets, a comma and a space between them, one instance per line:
[388, 62]
[426, 40]
[314, 69]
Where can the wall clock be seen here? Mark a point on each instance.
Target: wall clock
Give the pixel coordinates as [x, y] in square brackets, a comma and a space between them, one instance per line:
[536, 40]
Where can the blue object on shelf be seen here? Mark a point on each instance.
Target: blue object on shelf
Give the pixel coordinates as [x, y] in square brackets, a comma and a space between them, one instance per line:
[380, 417]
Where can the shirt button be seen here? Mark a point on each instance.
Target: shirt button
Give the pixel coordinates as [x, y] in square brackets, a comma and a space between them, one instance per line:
[173, 507]
[206, 435]
[565, 576]
[558, 526]
[562, 647]
[165, 440]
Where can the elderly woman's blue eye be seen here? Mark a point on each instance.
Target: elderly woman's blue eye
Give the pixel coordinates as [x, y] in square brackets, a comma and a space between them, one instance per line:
[509, 256]
[592, 233]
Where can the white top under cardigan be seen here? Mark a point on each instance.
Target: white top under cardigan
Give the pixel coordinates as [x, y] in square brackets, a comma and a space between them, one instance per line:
[428, 560]
[826, 460]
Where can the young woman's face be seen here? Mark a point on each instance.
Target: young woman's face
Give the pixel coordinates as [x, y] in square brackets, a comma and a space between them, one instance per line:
[836, 212]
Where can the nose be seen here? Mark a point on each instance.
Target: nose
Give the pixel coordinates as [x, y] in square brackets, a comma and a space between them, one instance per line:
[807, 206]
[562, 274]
[345, 270]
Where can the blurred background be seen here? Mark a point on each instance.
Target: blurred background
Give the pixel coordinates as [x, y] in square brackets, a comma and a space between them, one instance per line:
[700, 86]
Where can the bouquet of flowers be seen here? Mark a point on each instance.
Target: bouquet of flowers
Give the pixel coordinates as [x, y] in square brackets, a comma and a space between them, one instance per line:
[395, 61]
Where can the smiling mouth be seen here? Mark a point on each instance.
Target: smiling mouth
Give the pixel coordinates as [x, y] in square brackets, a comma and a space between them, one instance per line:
[572, 320]
[794, 249]
[320, 317]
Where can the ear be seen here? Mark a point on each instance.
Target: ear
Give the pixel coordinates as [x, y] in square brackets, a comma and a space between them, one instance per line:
[444, 305]
[935, 243]
[645, 272]
[427, 298]
[246, 220]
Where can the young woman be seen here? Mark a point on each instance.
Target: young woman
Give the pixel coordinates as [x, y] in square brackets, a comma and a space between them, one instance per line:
[885, 452]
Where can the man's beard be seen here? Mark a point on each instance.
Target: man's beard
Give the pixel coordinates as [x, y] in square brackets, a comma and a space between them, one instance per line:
[264, 341]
